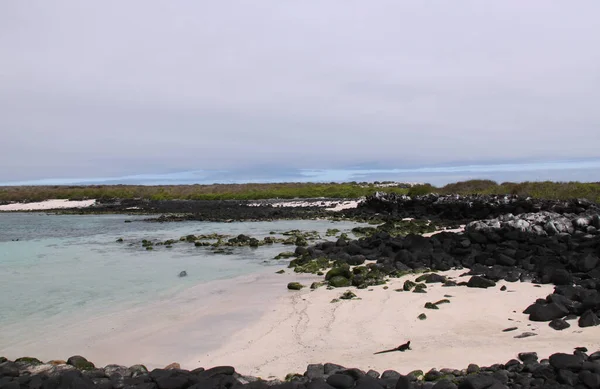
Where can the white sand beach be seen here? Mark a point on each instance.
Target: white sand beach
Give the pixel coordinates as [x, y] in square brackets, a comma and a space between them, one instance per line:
[306, 327]
[329, 205]
[455, 230]
[47, 204]
[255, 324]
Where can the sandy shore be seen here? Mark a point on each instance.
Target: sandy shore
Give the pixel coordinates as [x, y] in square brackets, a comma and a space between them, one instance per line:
[455, 230]
[48, 204]
[177, 328]
[306, 327]
[255, 324]
[329, 205]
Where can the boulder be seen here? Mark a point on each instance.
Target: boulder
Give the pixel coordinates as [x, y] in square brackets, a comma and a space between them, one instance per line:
[315, 371]
[9, 369]
[444, 384]
[340, 381]
[295, 286]
[373, 373]
[477, 381]
[28, 361]
[589, 319]
[339, 271]
[547, 312]
[390, 374]
[566, 361]
[80, 363]
[480, 282]
[561, 277]
[434, 278]
[217, 370]
[339, 282]
[404, 383]
[559, 324]
[589, 379]
[332, 368]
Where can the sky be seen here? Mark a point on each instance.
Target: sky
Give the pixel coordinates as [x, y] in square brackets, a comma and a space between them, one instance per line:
[148, 91]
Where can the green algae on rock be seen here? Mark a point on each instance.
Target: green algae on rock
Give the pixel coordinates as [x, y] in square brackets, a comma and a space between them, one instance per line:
[295, 286]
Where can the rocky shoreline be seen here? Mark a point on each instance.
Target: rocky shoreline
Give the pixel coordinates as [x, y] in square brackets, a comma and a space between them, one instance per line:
[561, 370]
[217, 211]
[450, 209]
[505, 238]
[557, 247]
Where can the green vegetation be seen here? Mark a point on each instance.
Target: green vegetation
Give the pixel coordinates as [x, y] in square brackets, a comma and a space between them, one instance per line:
[429, 305]
[295, 286]
[306, 265]
[397, 228]
[420, 190]
[541, 189]
[332, 232]
[293, 377]
[545, 189]
[347, 295]
[194, 192]
[420, 288]
[316, 285]
[29, 361]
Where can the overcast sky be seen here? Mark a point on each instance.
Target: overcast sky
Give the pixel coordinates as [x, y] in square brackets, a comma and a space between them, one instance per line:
[121, 88]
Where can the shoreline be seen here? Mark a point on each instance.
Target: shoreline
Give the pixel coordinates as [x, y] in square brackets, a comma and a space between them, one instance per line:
[306, 328]
[46, 205]
[266, 331]
[253, 323]
[162, 331]
[327, 204]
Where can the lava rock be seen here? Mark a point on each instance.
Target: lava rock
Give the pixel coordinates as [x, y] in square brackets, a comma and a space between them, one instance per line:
[547, 312]
[559, 324]
[340, 381]
[480, 282]
[588, 319]
[566, 361]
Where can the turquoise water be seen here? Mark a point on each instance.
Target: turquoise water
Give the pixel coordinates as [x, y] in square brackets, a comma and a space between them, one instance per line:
[66, 265]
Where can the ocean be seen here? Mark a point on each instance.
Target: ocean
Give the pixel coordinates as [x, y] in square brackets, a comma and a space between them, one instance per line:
[57, 269]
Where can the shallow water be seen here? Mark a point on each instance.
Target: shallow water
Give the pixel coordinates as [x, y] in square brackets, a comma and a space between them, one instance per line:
[67, 266]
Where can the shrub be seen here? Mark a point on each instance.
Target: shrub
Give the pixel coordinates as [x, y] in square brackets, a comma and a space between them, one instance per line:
[420, 190]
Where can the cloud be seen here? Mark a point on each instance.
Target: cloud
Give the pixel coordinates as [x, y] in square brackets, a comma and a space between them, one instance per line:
[115, 89]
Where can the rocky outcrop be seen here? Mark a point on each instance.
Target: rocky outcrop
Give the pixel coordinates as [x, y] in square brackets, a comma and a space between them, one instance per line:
[544, 247]
[202, 210]
[577, 370]
[542, 223]
[460, 208]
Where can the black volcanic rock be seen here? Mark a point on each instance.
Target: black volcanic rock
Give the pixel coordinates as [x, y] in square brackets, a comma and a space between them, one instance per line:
[589, 319]
[559, 324]
[480, 282]
[547, 312]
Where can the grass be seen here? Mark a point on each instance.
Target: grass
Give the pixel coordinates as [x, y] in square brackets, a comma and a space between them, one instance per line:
[542, 189]
[545, 189]
[538, 189]
[193, 192]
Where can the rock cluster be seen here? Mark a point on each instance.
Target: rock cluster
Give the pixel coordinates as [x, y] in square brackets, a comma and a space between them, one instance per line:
[542, 223]
[577, 370]
[544, 247]
[204, 210]
[457, 207]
